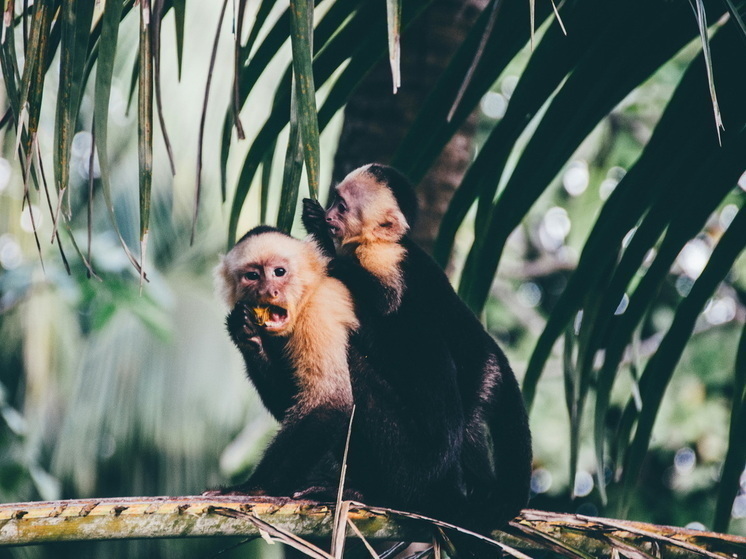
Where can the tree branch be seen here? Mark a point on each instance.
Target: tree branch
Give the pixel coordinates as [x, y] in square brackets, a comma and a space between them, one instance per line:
[172, 517]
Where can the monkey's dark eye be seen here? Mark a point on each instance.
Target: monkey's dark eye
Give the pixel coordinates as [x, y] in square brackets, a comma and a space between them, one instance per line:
[251, 276]
[342, 207]
[279, 272]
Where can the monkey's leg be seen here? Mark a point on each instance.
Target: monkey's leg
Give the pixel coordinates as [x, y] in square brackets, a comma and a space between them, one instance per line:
[304, 440]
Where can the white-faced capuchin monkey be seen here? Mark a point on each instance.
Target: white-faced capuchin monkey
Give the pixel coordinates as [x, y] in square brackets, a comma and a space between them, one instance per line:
[398, 288]
[291, 322]
[309, 361]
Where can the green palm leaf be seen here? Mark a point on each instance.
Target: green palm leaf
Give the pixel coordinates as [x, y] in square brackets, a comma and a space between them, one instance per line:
[735, 460]
[616, 64]
[76, 18]
[301, 26]
[145, 126]
[550, 62]
[432, 130]
[658, 371]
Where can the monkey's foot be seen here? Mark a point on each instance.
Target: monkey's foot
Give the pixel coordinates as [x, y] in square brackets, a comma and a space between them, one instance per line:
[327, 494]
[256, 494]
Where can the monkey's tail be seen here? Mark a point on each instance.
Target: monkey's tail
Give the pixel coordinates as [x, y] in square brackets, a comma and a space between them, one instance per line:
[496, 497]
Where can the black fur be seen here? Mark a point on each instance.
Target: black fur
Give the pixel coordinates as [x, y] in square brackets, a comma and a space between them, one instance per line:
[266, 364]
[407, 432]
[495, 455]
[408, 427]
[304, 451]
[314, 223]
[400, 187]
[258, 230]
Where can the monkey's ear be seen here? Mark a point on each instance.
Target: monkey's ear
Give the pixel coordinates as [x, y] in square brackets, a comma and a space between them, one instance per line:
[225, 285]
[392, 226]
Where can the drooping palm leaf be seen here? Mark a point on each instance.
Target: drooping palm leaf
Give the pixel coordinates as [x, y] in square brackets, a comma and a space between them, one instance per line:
[369, 48]
[76, 18]
[237, 60]
[292, 169]
[735, 459]
[659, 369]
[32, 80]
[393, 23]
[252, 69]
[179, 17]
[550, 62]
[432, 130]
[203, 120]
[266, 185]
[701, 15]
[618, 216]
[301, 41]
[105, 70]
[145, 127]
[159, 9]
[616, 64]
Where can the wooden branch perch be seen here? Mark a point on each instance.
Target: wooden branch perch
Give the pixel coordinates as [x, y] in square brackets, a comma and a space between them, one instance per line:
[181, 517]
[173, 517]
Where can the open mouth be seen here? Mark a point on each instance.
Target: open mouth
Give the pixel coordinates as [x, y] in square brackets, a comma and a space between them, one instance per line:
[333, 230]
[270, 317]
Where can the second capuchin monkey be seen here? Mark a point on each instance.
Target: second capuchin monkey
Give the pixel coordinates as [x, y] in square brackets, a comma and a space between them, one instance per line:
[309, 360]
[395, 283]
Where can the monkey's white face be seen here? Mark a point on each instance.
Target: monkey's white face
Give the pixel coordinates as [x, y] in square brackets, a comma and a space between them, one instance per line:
[270, 272]
[264, 286]
[363, 209]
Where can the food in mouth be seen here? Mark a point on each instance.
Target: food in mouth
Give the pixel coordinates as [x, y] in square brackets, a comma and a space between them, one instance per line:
[270, 317]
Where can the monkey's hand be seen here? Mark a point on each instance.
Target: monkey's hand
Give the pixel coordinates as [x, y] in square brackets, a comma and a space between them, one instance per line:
[314, 221]
[313, 217]
[243, 331]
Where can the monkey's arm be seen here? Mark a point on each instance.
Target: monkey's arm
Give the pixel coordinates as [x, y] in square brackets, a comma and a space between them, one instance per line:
[314, 221]
[306, 440]
[265, 362]
[370, 294]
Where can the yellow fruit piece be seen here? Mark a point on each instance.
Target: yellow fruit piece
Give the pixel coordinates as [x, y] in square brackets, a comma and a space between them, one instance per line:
[261, 314]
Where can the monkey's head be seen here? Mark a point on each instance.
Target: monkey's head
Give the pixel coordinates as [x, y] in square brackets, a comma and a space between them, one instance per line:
[272, 273]
[373, 203]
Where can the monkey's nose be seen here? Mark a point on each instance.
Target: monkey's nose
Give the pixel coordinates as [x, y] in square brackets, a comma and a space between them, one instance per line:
[329, 219]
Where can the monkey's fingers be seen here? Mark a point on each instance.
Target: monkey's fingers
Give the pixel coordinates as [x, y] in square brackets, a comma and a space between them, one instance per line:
[243, 330]
[313, 216]
[252, 338]
[327, 494]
